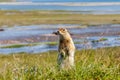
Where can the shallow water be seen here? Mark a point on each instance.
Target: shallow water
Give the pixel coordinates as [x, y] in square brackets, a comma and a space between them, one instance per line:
[26, 31]
[86, 43]
[96, 9]
[109, 9]
[34, 30]
[82, 42]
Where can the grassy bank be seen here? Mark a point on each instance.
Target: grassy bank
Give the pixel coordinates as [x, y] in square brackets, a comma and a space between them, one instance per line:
[100, 64]
[28, 45]
[11, 18]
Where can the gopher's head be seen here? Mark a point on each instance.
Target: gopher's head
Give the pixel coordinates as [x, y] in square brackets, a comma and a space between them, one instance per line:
[61, 31]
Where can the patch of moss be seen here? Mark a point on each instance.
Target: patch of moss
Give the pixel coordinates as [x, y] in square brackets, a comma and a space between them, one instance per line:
[101, 39]
[18, 45]
[32, 44]
[51, 43]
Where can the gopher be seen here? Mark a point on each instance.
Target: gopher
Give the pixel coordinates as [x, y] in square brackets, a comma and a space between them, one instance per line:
[66, 49]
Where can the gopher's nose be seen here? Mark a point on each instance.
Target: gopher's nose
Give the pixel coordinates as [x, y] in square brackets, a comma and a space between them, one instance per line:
[58, 32]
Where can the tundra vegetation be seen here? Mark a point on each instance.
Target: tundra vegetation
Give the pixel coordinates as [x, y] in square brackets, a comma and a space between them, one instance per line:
[98, 64]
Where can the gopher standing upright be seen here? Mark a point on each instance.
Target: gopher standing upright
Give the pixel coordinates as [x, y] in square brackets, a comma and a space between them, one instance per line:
[66, 49]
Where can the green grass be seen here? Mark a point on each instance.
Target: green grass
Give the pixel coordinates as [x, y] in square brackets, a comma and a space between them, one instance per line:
[18, 45]
[99, 64]
[50, 43]
[11, 18]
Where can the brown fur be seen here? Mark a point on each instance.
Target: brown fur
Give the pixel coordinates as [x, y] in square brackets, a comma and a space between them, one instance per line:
[66, 48]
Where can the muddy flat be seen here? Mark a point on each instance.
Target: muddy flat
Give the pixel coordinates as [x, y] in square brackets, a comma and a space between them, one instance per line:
[84, 37]
[41, 33]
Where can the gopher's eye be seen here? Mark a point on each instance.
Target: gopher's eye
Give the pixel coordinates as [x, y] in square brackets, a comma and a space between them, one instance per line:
[63, 30]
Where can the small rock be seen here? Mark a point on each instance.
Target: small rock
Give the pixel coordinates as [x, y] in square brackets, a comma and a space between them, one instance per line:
[1, 29]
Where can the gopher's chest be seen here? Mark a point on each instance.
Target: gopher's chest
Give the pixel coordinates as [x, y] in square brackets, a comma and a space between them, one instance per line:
[63, 44]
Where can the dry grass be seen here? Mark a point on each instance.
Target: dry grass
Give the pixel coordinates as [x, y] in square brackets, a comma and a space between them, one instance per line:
[11, 18]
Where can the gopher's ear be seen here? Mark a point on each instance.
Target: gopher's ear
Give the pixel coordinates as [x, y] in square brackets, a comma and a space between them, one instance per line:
[64, 29]
[55, 33]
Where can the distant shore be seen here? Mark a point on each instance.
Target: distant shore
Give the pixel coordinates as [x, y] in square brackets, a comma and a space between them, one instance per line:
[12, 18]
[63, 3]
